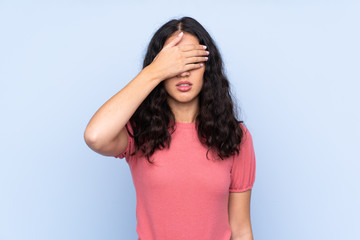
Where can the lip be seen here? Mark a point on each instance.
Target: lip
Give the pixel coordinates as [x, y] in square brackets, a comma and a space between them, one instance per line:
[184, 82]
[183, 88]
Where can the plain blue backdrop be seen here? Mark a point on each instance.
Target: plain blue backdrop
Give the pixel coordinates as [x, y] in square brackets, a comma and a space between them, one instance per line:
[293, 67]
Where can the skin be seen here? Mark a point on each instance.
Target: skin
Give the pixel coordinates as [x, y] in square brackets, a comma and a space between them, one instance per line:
[185, 105]
[239, 215]
[106, 134]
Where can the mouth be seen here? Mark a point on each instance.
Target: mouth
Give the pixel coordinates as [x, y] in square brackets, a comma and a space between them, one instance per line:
[183, 84]
[183, 87]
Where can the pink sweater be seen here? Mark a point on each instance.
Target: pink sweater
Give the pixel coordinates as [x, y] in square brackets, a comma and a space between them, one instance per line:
[185, 195]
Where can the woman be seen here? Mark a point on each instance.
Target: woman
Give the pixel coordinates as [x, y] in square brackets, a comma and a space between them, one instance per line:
[192, 162]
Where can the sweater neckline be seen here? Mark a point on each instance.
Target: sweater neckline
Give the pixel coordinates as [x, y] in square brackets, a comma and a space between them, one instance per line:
[185, 125]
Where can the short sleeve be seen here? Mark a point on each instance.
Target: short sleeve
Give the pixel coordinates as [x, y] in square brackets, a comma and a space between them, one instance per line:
[130, 145]
[244, 165]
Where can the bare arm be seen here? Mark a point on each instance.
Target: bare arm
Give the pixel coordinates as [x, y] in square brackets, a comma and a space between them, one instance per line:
[106, 132]
[239, 216]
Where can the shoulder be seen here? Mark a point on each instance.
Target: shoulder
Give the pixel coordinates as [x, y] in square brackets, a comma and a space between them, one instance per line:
[246, 133]
[243, 127]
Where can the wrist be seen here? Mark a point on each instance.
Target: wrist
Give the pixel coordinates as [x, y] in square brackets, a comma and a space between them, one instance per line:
[153, 74]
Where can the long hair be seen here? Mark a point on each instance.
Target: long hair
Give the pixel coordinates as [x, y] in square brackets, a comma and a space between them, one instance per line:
[216, 124]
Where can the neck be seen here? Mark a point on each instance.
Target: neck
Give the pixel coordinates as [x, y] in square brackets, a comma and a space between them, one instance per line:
[185, 112]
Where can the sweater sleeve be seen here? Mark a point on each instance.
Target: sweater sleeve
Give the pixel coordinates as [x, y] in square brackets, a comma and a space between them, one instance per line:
[130, 145]
[244, 165]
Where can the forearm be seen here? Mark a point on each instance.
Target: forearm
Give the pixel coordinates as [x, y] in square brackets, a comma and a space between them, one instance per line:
[245, 236]
[112, 116]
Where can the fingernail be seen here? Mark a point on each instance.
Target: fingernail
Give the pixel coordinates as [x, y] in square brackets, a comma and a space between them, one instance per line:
[180, 34]
[205, 47]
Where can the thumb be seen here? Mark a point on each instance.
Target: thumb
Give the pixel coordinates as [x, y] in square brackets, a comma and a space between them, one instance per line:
[175, 40]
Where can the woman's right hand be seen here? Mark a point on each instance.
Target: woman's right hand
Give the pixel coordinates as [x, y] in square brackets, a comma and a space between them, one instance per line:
[173, 60]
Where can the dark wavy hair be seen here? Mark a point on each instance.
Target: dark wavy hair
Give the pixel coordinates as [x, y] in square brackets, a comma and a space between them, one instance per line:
[216, 124]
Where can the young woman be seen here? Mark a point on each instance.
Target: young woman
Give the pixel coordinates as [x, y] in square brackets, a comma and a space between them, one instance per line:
[192, 162]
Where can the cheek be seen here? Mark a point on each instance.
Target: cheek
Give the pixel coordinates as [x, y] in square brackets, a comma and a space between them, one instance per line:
[167, 85]
[200, 73]
[200, 78]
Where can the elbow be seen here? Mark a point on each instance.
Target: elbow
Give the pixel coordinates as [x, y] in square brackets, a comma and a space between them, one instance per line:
[91, 139]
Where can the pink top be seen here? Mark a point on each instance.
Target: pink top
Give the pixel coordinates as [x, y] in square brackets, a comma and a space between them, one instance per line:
[185, 195]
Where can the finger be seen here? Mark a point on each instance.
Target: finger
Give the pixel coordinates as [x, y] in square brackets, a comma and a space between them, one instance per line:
[194, 53]
[175, 40]
[184, 74]
[189, 47]
[193, 66]
[196, 60]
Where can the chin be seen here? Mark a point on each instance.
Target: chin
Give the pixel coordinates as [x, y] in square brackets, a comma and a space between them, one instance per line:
[186, 99]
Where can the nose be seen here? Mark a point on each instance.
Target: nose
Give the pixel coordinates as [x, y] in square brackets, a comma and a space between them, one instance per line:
[184, 74]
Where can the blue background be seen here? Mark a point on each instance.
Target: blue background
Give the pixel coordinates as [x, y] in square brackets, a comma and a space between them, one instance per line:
[293, 66]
